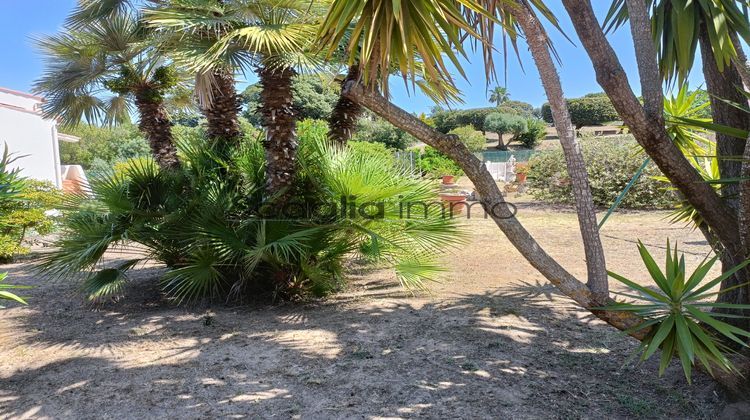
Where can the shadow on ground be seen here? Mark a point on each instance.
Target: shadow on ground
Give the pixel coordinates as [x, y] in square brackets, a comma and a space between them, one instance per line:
[518, 352]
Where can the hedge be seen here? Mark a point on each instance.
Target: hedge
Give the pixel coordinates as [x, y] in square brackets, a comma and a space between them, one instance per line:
[611, 163]
[589, 110]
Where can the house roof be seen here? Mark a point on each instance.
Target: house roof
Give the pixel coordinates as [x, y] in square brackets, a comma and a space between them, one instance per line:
[24, 94]
[19, 108]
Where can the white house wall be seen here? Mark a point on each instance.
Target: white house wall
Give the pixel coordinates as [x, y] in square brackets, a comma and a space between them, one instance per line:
[27, 133]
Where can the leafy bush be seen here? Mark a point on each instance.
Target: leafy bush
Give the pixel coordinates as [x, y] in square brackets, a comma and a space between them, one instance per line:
[678, 313]
[536, 130]
[365, 148]
[211, 224]
[611, 163]
[473, 139]
[447, 120]
[434, 164]
[517, 107]
[99, 147]
[381, 131]
[23, 206]
[592, 109]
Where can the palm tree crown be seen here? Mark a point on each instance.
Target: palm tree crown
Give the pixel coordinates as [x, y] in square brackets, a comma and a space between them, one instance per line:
[499, 95]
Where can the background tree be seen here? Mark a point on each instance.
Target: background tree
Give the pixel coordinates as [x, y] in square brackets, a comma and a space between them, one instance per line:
[314, 98]
[499, 95]
[502, 124]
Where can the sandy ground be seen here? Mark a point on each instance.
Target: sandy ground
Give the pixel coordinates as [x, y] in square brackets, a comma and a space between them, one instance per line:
[493, 340]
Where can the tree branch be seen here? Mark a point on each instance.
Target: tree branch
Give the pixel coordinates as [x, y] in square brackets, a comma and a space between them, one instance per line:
[645, 53]
[495, 204]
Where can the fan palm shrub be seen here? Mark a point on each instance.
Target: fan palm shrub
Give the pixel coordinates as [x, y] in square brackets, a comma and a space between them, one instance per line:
[219, 237]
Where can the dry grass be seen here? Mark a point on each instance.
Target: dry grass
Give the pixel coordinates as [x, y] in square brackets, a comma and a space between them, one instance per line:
[493, 340]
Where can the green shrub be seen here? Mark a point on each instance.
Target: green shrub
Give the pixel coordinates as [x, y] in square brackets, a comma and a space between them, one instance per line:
[311, 129]
[536, 130]
[592, 109]
[105, 145]
[209, 223]
[366, 148]
[25, 214]
[381, 131]
[473, 139]
[680, 313]
[517, 107]
[611, 163]
[434, 164]
[23, 206]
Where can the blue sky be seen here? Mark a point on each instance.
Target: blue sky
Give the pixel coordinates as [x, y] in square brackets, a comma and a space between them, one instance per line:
[20, 20]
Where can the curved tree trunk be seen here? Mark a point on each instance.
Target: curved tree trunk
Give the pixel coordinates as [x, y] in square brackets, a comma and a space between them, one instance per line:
[279, 121]
[346, 113]
[493, 201]
[222, 111]
[536, 38]
[649, 133]
[155, 124]
[724, 86]
[500, 143]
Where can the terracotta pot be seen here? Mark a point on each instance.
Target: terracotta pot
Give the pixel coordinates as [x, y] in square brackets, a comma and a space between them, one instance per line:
[456, 203]
[448, 179]
[520, 178]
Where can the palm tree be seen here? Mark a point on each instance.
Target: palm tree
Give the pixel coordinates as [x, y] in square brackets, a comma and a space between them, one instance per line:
[346, 113]
[110, 55]
[499, 95]
[271, 37]
[187, 30]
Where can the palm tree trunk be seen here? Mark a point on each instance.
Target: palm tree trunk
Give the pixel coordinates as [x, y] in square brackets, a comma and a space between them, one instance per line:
[346, 113]
[537, 40]
[156, 126]
[279, 121]
[493, 201]
[648, 132]
[222, 111]
[723, 86]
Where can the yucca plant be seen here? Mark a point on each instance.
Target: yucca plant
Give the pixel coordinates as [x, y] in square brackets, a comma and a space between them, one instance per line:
[208, 223]
[677, 313]
[11, 186]
[6, 295]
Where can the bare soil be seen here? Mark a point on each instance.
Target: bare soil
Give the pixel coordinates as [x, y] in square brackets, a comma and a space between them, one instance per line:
[493, 340]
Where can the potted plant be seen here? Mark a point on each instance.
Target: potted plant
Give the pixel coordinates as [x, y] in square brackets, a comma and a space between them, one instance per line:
[448, 179]
[522, 171]
[456, 201]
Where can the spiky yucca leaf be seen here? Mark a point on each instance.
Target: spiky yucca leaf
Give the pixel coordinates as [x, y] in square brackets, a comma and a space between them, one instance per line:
[676, 316]
[6, 295]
